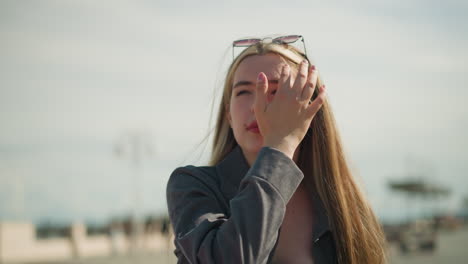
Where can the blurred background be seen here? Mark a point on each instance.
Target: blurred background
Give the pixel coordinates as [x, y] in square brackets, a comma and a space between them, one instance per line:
[101, 100]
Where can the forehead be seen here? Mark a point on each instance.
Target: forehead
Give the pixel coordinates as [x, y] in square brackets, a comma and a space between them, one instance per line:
[250, 67]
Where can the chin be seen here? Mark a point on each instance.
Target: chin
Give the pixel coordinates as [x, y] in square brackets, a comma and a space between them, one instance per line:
[252, 148]
[249, 144]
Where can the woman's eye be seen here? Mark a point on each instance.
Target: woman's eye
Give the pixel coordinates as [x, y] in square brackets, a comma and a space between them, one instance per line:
[241, 92]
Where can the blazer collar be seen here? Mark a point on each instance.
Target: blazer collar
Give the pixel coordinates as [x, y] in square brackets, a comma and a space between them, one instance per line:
[234, 167]
[231, 171]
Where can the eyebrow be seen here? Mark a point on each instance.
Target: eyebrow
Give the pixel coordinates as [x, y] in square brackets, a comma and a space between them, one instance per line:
[241, 83]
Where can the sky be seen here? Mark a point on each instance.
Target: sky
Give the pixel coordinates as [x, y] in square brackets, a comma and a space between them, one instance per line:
[80, 78]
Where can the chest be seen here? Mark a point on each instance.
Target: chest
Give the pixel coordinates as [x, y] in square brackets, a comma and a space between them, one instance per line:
[295, 240]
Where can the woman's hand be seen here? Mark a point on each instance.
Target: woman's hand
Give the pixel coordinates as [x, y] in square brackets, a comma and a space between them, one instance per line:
[284, 121]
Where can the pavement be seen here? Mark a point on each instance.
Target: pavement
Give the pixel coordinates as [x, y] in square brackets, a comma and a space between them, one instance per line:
[452, 248]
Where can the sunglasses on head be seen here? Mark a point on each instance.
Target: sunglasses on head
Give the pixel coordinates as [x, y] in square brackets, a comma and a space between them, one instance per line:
[284, 40]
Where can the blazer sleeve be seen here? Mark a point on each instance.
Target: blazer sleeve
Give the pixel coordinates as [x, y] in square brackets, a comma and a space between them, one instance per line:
[203, 231]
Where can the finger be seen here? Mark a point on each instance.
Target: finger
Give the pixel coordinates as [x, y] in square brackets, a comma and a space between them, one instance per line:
[284, 82]
[317, 103]
[261, 95]
[301, 78]
[310, 85]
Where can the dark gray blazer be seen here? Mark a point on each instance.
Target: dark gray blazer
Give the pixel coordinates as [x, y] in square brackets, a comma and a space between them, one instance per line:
[231, 213]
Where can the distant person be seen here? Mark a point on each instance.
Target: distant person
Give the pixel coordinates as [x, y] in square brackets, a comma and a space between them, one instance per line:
[278, 188]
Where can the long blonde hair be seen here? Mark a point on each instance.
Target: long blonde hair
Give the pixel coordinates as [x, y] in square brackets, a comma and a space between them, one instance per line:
[357, 233]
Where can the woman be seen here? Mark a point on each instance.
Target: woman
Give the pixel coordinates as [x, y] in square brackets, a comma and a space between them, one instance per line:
[278, 189]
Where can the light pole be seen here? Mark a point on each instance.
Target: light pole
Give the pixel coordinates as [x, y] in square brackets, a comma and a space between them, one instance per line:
[135, 146]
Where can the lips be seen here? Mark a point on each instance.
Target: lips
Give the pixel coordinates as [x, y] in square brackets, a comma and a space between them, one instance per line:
[253, 127]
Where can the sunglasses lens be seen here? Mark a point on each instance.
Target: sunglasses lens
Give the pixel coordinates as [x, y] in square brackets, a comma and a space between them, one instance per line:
[288, 39]
[284, 40]
[245, 42]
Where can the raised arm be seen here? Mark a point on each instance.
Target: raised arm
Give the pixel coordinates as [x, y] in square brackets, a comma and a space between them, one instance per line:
[205, 233]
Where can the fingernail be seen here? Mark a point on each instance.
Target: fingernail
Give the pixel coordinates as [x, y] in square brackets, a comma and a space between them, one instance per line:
[312, 67]
[305, 61]
[261, 77]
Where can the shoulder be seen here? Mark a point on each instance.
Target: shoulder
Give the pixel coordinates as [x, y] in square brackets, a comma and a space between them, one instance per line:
[192, 191]
[194, 171]
[193, 176]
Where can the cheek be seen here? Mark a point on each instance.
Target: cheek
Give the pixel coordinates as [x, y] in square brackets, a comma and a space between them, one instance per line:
[239, 111]
[236, 112]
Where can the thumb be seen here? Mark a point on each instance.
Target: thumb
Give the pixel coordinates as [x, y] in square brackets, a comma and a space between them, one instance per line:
[261, 93]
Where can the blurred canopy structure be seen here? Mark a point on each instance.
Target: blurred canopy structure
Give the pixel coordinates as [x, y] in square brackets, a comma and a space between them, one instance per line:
[415, 187]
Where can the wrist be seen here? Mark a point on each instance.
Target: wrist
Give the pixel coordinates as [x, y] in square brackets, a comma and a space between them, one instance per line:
[281, 146]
